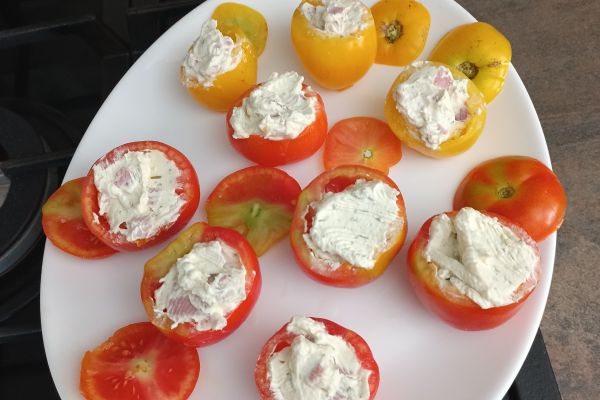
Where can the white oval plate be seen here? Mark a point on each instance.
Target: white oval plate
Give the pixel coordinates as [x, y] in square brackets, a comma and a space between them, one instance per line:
[83, 302]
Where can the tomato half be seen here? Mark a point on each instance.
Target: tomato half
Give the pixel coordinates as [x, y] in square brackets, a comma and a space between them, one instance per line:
[138, 362]
[447, 302]
[188, 189]
[271, 153]
[282, 339]
[257, 202]
[159, 265]
[520, 188]
[250, 21]
[64, 227]
[402, 30]
[363, 141]
[334, 181]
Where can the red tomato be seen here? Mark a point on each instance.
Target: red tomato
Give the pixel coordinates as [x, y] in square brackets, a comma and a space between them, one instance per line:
[159, 266]
[363, 141]
[336, 180]
[282, 339]
[258, 202]
[137, 362]
[447, 302]
[520, 188]
[188, 188]
[62, 223]
[271, 153]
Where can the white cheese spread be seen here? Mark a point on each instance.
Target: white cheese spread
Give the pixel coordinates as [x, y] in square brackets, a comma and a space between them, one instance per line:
[275, 110]
[203, 287]
[481, 257]
[354, 225]
[211, 55]
[317, 366]
[337, 17]
[433, 102]
[137, 193]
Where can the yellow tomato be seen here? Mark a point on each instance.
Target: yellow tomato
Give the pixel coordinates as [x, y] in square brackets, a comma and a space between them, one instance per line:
[464, 138]
[480, 52]
[250, 21]
[231, 85]
[402, 29]
[335, 62]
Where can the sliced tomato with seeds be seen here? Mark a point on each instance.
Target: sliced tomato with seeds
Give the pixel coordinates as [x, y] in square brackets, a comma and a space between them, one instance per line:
[258, 202]
[362, 141]
[158, 266]
[187, 188]
[282, 339]
[138, 362]
[64, 227]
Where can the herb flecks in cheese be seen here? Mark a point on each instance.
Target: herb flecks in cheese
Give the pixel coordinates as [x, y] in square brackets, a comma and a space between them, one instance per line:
[337, 17]
[278, 109]
[434, 103]
[481, 257]
[317, 366]
[211, 55]
[203, 287]
[137, 193]
[355, 225]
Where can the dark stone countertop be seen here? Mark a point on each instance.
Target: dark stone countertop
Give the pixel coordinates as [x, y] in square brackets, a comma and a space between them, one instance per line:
[556, 50]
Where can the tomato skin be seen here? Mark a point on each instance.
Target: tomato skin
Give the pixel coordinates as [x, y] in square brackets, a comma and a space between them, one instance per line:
[449, 304]
[158, 266]
[64, 227]
[230, 85]
[408, 133]
[336, 180]
[188, 184]
[520, 188]
[334, 62]
[282, 339]
[137, 362]
[271, 153]
[251, 22]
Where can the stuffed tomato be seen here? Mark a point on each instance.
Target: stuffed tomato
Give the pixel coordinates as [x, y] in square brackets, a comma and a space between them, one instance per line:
[349, 223]
[202, 286]
[312, 358]
[278, 121]
[139, 194]
[473, 269]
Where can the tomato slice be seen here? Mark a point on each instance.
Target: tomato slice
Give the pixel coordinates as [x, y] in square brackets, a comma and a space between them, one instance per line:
[362, 141]
[251, 22]
[336, 180]
[188, 189]
[271, 153]
[138, 362]
[158, 266]
[258, 202]
[520, 188]
[448, 303]
[282, 339]
[64, 227]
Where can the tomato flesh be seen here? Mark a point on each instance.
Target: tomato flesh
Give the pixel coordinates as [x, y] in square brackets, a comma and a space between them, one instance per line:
[188, 189]
[282, 339]
[64, 227]
[520, 188]
[257, 202]
[448, 303]
[336, 180]
[138, 362]
[362, 141]
[158, 266]
[271, 153]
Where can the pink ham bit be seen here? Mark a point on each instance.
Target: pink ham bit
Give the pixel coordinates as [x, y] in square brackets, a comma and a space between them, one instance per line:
[335, 10]
[123, 178]
[181, 307]
[462, 115]
[442, 79]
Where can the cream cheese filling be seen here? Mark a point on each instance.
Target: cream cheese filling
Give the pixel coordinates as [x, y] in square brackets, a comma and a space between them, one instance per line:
[337, 17]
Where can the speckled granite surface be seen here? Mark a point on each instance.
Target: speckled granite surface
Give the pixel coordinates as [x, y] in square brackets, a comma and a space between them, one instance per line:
[556, 50]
